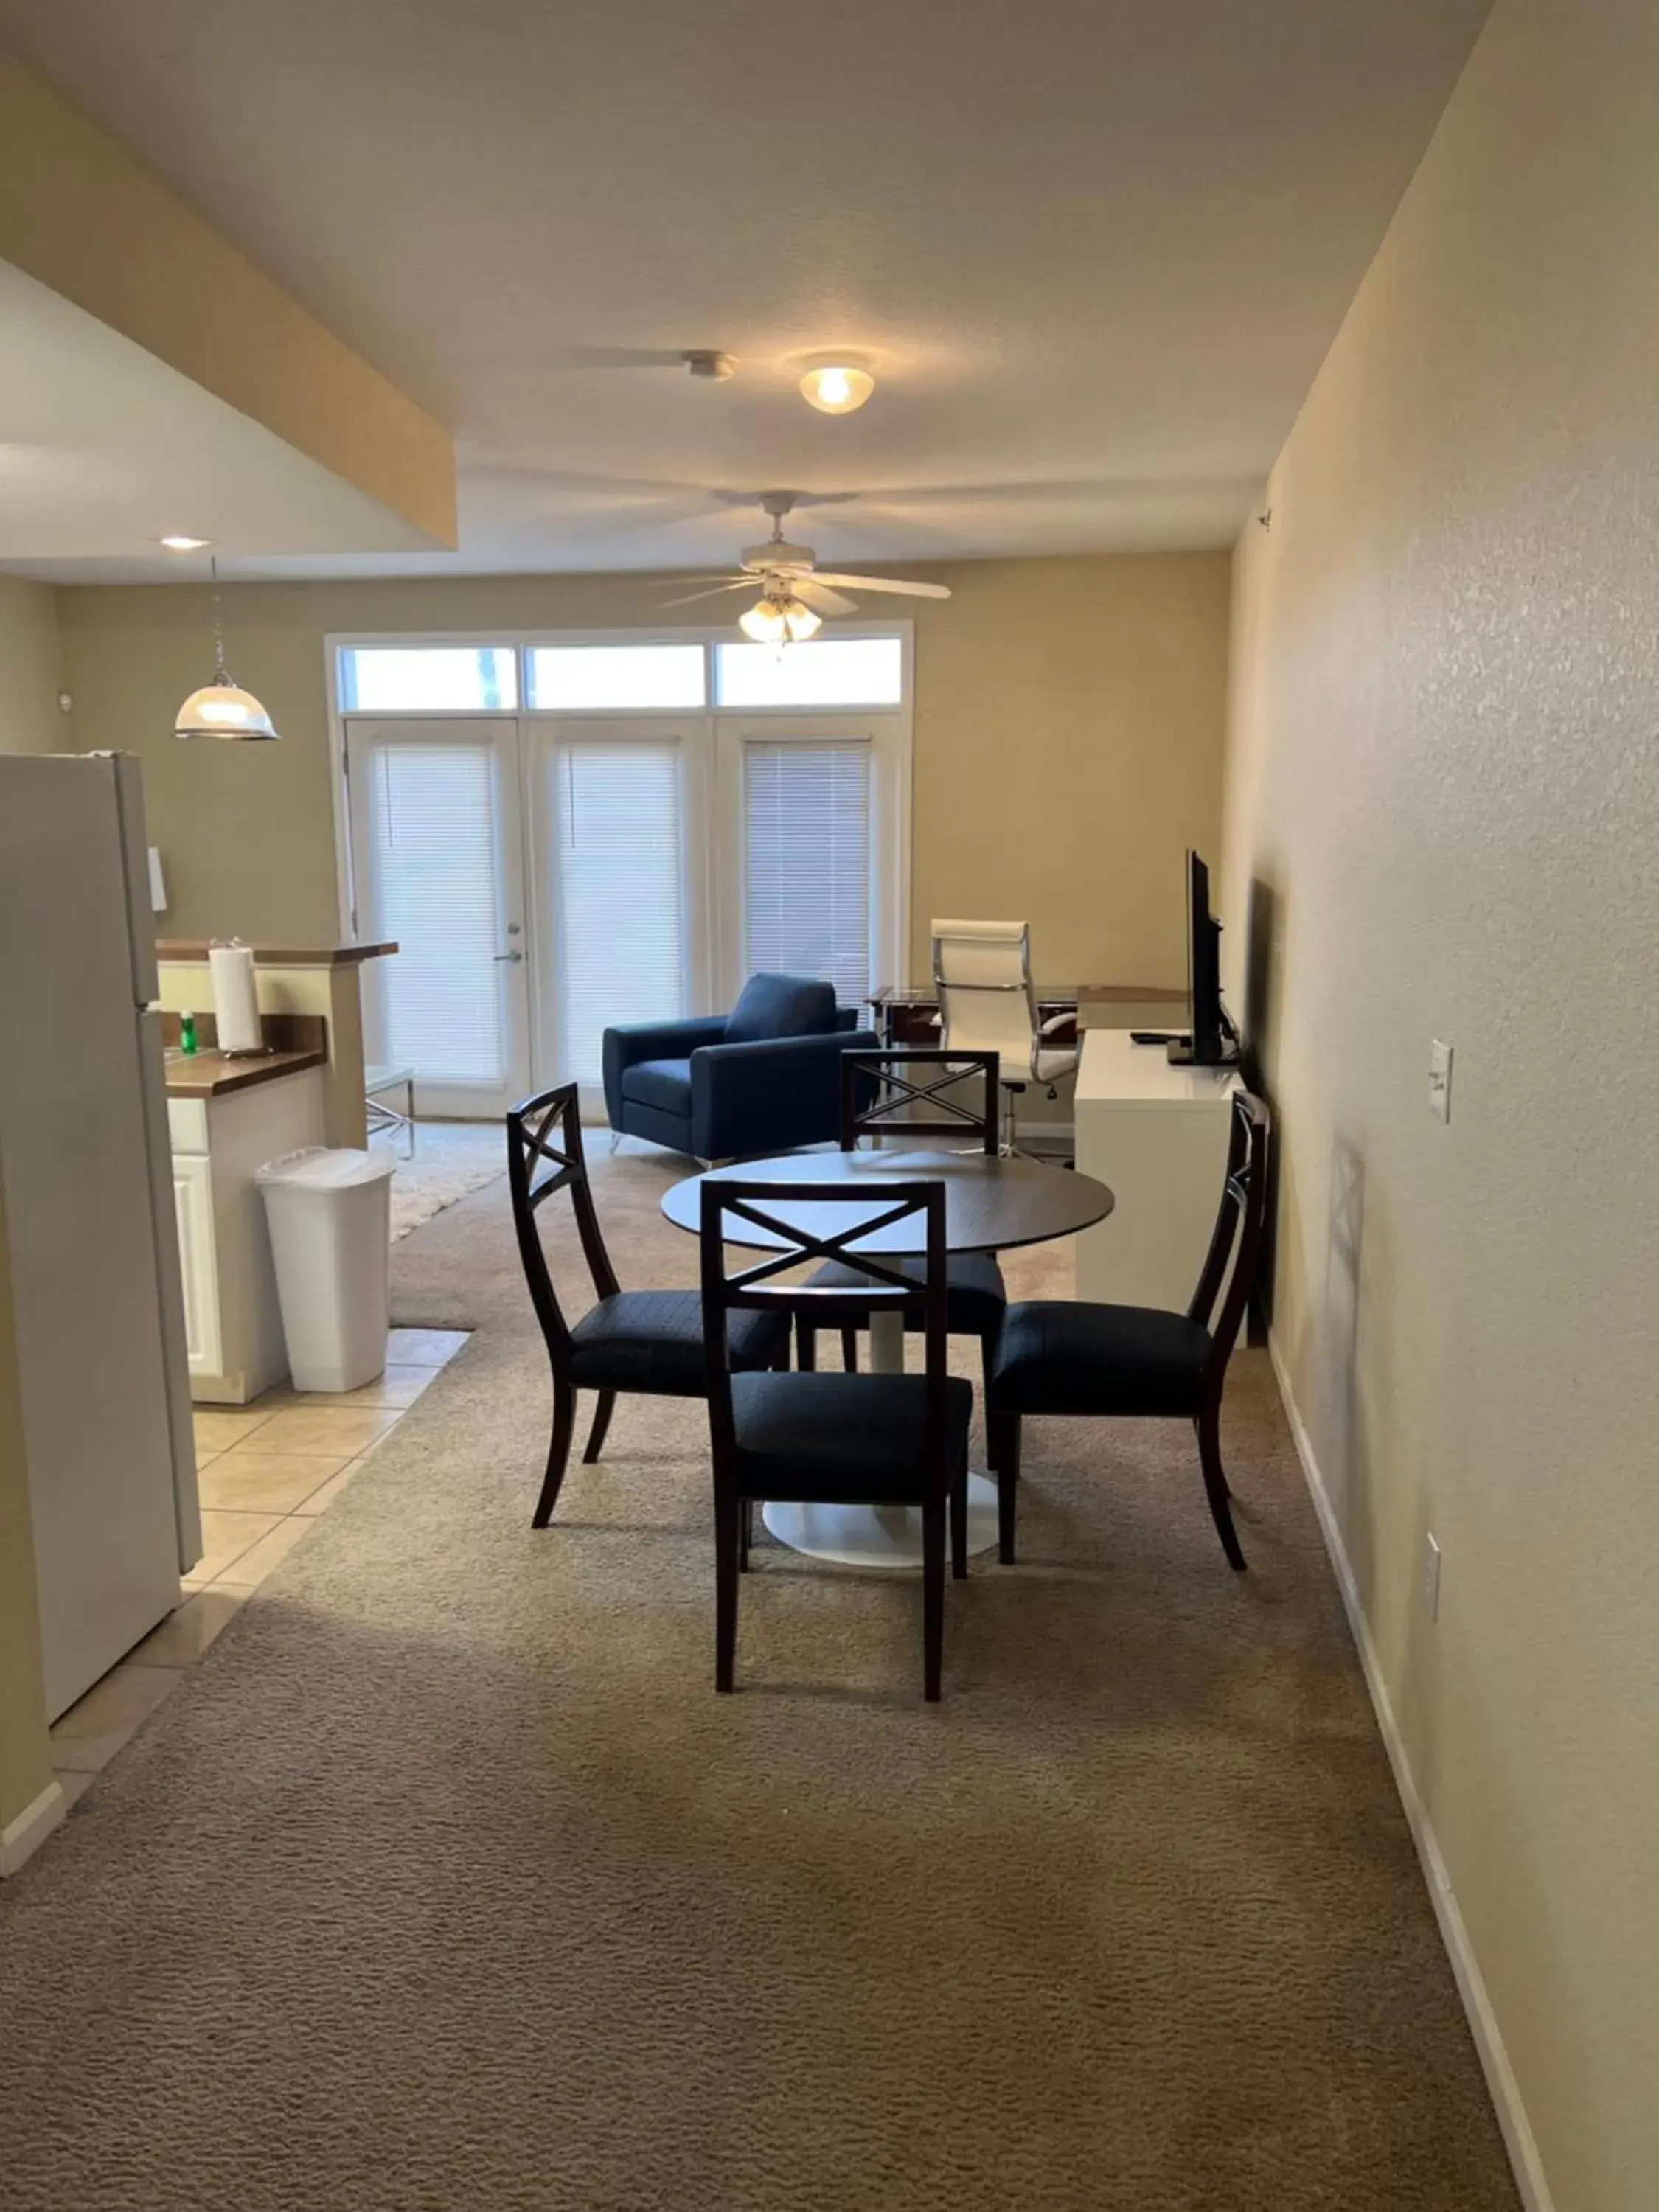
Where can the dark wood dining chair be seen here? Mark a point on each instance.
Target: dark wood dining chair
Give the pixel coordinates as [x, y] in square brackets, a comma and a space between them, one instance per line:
[646, 1341]
[830, 1439]
[877, 1088]
[1140, 1362]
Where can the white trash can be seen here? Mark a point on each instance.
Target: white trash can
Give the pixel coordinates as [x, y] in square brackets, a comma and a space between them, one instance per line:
[330, 1214]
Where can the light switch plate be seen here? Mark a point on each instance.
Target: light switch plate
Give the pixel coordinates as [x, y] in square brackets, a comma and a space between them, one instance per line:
[1440, 1076]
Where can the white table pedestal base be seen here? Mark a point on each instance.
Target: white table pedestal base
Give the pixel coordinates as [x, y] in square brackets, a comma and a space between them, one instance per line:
[878, 1535]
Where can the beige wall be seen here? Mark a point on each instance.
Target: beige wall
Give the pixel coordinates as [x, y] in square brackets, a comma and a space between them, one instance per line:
[1444, 821]
[31, 669]
[1069, 726]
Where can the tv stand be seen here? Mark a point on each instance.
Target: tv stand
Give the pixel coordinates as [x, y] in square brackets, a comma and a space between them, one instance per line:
[1158, 1135]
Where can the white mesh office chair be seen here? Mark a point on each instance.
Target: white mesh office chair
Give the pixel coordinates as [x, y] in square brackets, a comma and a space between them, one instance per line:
[988, 1003]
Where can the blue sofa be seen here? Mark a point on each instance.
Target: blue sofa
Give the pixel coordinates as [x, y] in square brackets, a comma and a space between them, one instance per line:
[763, 1079]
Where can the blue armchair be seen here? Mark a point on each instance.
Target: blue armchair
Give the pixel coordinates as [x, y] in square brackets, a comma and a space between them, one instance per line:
[763, 1079]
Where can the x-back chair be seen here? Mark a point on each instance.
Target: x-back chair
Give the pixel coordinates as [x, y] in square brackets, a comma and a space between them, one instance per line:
[648, 1341]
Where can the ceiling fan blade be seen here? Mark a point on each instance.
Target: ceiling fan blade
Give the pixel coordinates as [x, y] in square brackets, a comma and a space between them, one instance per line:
[715, 592]
[884, 584]
[826, 603]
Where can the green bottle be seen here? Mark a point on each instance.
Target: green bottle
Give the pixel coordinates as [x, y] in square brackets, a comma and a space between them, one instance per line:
[187, 1034]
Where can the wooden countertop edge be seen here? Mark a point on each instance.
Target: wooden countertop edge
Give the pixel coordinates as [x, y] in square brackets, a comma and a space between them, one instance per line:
[211, 1074]
[174, 951]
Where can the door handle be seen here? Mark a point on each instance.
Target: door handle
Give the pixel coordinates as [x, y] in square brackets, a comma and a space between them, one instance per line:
[499, 956]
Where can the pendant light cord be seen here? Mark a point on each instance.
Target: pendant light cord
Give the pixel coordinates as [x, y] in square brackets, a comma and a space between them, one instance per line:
[222, 674]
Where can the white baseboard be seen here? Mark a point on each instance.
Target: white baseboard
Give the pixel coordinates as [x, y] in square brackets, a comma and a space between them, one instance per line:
[20, 1838]
[1505, 2090]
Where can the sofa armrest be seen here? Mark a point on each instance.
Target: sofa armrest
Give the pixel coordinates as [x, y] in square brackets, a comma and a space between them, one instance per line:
[748, 1100]
[636, 1041]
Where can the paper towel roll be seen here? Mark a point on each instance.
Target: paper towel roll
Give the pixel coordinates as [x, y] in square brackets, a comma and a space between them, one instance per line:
[235, 998]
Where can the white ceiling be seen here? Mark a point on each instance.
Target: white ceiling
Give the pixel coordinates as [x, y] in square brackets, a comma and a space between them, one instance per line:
[1097, 248]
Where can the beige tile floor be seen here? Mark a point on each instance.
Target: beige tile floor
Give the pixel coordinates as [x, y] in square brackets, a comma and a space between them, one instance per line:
[265, 1472]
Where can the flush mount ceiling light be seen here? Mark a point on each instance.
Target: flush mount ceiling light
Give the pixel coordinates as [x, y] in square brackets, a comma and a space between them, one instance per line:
[176, 541]
[222, 708]
[779, 618]
[836, 383]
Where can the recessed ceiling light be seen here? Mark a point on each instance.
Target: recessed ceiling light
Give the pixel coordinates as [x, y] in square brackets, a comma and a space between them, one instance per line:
[176, 541]
[836, 383]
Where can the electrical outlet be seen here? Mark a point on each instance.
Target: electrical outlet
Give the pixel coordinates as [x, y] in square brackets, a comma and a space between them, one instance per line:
[1431, 1575]
[1440, 1075]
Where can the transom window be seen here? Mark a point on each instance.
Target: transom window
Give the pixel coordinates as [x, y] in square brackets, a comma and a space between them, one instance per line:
[458, 679]
[649, 677]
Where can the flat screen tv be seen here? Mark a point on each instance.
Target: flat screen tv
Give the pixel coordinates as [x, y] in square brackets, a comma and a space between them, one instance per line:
[1213, 1041]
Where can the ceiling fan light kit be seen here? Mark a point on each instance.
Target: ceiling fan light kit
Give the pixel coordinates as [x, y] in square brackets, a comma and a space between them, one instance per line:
[779, 622]
[836, 383]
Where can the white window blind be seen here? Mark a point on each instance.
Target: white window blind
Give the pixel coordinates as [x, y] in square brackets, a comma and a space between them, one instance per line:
[619, 906]
[434, 863]
[806, 860]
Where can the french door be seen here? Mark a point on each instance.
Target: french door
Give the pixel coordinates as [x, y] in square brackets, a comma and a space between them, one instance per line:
[615, 808]
[808, 844]
[437, 863]
[548, 875]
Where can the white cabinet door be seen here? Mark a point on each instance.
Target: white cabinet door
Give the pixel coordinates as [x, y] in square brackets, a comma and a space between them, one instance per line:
[192, 1196]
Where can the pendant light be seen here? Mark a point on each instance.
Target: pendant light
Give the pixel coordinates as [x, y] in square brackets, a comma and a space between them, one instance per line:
[222, 708]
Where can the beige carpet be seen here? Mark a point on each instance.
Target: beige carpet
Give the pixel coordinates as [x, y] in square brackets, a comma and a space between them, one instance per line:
[446, 1881]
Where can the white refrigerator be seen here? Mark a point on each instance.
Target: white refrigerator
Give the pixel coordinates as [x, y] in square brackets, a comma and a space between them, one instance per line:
[86, 1171]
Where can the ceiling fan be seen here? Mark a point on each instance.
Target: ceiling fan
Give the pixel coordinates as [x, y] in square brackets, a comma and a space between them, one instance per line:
[796, 593]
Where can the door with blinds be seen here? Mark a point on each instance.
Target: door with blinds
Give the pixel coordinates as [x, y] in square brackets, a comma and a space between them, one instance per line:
[616, 808]
[437, 868]
[807, 873]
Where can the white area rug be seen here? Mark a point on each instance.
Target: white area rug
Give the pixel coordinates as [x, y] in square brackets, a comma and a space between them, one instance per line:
[451, 1160]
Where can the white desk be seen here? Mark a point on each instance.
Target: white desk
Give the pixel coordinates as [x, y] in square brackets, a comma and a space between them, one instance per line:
[1157, 1136]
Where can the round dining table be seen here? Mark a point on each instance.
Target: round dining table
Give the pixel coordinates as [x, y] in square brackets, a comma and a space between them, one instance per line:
[991, 1205]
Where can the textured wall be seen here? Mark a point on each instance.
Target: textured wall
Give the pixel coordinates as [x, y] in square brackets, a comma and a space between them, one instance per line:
[1068, 737]
[31, 669]
[1444, 821]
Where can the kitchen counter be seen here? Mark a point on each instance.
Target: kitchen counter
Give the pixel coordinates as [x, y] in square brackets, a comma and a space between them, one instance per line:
[173, 950]
[210, 1074]
[321, 983]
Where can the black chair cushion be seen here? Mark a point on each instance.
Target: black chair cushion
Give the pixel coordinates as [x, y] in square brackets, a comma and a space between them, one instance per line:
[1073, 1358]
[664, 1083]
[651, 1341]
[977, 1293]
[842, 1439]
